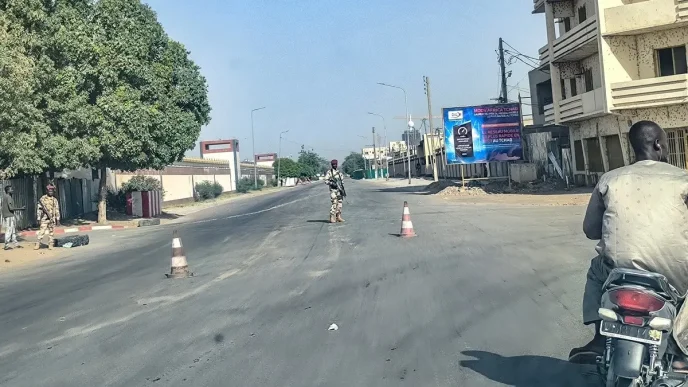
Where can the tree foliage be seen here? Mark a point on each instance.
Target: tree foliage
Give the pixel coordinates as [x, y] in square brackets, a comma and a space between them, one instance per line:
[287, 168]
[94, 83]
[312, 163]
[354, 161]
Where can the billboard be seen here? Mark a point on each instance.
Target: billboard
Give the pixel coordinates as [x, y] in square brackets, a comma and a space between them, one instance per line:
[481, 134]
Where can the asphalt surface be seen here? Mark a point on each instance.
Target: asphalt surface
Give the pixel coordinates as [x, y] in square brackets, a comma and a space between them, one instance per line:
[485, 295]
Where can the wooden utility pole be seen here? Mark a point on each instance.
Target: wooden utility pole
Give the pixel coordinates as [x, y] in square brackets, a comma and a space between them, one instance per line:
[503, 98]
[433, 158]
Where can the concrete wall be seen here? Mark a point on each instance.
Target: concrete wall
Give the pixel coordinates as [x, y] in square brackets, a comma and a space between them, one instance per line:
[179, 180]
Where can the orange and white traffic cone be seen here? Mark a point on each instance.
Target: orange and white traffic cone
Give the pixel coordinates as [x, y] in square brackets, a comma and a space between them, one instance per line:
[180, 268]
[406, 224]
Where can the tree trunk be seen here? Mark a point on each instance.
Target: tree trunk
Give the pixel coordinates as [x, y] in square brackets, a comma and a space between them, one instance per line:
[102, 196]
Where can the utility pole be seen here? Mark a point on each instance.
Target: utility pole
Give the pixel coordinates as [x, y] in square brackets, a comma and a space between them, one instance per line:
[503, 98]
[433, 158]
[374, 154]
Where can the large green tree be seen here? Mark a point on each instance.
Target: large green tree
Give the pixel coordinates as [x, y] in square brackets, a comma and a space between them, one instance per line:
[312, 163]
[94, 83]
[287, 168]
[151, 99]
[354, 161]
[36, 104]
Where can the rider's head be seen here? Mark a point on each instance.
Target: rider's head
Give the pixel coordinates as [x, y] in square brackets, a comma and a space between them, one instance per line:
[649, 141]
[334, 163]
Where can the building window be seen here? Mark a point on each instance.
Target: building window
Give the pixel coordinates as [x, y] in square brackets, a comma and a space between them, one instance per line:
[587, 77]
[574, 87]
[563, 89]
[677, 147]
[671, 61]
[567, 24]
[578, 152]
[582, 14]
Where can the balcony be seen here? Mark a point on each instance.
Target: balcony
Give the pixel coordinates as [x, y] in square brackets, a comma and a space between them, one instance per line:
[645, 16]
[549, 114]
[577, 108]
[652, 92]
[544, 55]
[579, 43]
[538, 6]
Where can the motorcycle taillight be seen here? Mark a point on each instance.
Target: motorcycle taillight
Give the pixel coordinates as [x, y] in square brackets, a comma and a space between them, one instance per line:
[635, 300]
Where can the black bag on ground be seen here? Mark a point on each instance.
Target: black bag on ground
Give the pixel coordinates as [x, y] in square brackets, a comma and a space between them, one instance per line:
[76, 240]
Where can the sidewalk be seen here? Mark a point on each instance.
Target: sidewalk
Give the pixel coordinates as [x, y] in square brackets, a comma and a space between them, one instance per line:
[118, 221]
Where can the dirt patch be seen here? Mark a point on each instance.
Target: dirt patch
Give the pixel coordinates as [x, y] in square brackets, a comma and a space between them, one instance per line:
[25, 255]
[551, 193]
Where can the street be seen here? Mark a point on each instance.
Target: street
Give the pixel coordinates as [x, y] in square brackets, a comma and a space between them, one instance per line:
[485, 295]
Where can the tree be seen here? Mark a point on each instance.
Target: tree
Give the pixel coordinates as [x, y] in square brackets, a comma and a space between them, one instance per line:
[287, 168]
[312, 163]
[146, 100]
[354, 161]
[37, 101]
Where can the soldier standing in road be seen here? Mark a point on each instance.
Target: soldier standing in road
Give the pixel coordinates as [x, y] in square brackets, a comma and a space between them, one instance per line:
[48, 214]
[332, 178]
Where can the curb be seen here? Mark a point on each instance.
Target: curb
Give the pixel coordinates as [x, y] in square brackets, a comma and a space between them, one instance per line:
[60, 231]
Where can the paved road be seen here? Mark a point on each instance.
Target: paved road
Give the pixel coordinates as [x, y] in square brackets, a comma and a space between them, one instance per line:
[484, 296]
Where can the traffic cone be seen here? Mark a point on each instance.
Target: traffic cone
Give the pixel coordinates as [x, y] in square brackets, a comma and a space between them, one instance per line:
[180, 268]
[406, 224]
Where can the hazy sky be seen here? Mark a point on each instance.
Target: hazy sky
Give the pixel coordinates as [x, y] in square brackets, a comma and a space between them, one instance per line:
[314, 64]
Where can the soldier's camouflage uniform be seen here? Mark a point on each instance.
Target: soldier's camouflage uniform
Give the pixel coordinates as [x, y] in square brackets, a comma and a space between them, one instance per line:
[331, 178]
[52, 206]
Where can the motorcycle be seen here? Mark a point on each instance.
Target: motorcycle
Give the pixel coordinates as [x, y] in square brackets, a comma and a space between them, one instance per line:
[638, 310]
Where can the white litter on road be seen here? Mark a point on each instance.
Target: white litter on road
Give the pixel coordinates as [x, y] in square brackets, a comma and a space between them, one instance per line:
[333, 327]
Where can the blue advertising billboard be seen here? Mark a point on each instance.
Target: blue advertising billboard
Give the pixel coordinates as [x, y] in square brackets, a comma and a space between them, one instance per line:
[482, 134]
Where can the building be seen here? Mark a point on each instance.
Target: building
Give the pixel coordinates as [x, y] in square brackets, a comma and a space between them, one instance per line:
[397, 146]
[368, 152]
[266, 159]
[224, 150]
[606, 65]
[411, 136]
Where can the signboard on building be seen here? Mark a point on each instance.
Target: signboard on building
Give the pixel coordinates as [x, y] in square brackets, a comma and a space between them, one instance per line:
[482, 134]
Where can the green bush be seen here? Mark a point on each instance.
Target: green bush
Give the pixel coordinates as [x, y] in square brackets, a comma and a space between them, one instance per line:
[273, 182]
[205, 190]
[142, 183]
[261, 184]
[244, 185]
[218, 189]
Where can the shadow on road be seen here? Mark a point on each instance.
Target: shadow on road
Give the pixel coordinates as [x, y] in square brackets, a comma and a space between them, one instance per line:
[318, 221]
[530, 371]
[418, 190]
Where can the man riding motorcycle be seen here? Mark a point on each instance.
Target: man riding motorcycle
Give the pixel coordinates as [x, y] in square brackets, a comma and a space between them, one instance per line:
[640, 216]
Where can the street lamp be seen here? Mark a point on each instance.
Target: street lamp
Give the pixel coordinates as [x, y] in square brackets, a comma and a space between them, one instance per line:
[279, 156]
[384, 124]
[253, 140]
[408, 132]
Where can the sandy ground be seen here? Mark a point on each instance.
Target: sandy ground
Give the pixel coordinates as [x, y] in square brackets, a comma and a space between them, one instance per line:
[25, 255]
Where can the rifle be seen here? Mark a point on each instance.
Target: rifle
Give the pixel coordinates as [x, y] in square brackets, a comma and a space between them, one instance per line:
[45, 211]
[340, 187]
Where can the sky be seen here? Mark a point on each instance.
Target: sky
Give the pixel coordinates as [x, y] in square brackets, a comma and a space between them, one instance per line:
[314, 64]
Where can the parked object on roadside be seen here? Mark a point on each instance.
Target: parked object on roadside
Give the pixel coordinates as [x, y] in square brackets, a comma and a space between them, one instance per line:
[72, 241]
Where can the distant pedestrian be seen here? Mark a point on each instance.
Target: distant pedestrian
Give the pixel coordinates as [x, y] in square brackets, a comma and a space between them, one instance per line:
[48, 214]
[334, 180]
[9, 220]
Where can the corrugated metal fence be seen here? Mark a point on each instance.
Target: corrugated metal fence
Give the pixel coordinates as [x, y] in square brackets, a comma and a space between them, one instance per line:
[76, 196]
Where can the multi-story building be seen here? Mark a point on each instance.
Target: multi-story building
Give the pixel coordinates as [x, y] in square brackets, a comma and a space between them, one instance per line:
[606, 65]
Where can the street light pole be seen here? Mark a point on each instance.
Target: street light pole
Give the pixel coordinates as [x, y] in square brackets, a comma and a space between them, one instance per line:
[408, 130]
[253, 140]
[384, 124]
[279, 156]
